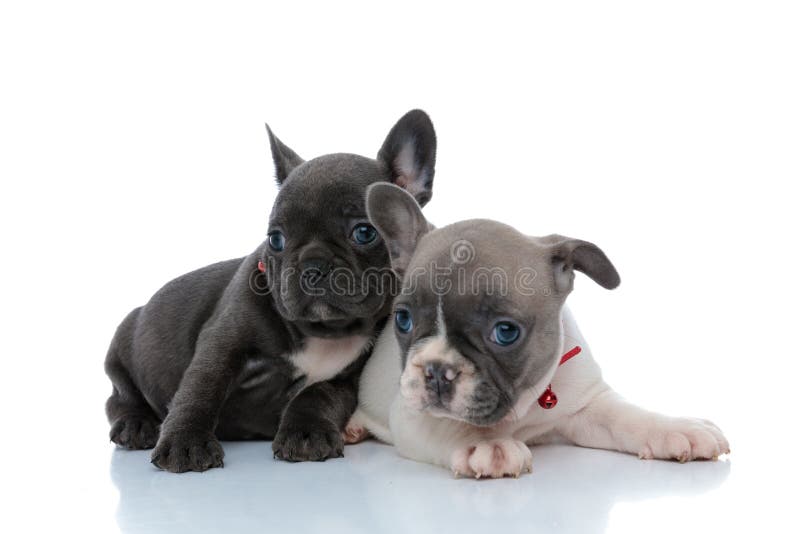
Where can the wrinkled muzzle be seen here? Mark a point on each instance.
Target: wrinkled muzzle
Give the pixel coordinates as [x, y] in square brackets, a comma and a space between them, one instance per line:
[439, 380]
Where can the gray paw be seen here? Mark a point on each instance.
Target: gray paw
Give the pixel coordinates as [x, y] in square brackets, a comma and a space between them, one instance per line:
[135, 432]
[181, 452]
[298, 444]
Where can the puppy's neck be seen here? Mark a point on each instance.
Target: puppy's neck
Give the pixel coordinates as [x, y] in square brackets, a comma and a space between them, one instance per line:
[528, 399]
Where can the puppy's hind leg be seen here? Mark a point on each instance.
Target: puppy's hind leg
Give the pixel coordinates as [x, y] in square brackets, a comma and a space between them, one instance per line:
[134, 425]
[356, 430]
[609, 422]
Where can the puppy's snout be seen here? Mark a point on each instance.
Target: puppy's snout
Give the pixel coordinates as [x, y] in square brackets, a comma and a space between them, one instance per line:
[439, 377]
[314, 270]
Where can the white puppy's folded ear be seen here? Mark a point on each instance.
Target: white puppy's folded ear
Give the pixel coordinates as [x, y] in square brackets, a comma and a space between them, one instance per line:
[409, 152]
[399, 220]
[284, 157]
[569, 255]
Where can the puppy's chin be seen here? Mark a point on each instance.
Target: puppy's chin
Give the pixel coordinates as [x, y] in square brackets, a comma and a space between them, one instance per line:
[499, 415]
[333, 328]
[320, 319]
[435, 408]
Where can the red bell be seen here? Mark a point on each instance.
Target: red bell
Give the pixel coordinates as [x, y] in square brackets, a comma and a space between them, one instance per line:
[261, 266]
[548, 399]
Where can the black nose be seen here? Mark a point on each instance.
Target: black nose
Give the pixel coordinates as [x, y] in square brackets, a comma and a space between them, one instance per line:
[314, 270]
[439, 377]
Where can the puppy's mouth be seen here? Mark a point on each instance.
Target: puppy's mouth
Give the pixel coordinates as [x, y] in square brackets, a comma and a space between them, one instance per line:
[501, 413]
[333, 328]
[321, 319]
[328, 312]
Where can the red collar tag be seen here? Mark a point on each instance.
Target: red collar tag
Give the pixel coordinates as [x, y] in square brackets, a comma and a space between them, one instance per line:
[549, 399]
[261, 266]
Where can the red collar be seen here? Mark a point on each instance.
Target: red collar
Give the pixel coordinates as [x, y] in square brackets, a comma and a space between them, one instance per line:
[549, 399]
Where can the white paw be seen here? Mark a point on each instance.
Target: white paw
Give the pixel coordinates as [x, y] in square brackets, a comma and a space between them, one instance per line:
[684, 440]
[492, 459]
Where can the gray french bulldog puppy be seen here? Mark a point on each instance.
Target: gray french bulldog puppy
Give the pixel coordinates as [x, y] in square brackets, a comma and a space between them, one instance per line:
[483, 347]
[269, 345]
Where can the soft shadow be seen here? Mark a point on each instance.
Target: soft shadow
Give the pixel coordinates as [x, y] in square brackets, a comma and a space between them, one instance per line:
[570, 490]
[253, 492]
[372, 489]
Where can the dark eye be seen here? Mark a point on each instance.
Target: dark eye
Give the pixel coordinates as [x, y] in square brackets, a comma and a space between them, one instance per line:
[276, 241]
[402, 318]
[505, 333]
[364, 234]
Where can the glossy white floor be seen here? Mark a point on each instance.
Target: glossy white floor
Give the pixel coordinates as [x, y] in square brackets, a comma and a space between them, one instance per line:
[372, 490]
[571, 490]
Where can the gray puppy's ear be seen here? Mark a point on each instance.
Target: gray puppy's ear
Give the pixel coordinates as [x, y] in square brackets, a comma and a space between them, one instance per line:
[569, 255]
[399, 220]
[284, 157]
[410, 153]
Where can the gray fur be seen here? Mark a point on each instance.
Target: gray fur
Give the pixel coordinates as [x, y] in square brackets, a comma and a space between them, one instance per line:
[470, 306]
[208, 357]
[398, 218]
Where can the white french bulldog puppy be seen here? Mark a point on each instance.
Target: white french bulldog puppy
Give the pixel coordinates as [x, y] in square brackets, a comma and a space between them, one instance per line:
[483, 359]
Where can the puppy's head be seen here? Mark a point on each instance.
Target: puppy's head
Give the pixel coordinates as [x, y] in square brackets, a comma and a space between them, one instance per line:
[326, 265]
[478, 317]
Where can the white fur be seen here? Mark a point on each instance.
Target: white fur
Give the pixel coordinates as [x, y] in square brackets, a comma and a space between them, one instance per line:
[441, 327]
[380, 381]
[588, 413]
[321, 359]
[492, 459]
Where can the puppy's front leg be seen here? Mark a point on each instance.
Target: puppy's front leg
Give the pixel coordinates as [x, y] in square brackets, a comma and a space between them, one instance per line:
[466, 450]
[609, 422]
[187, 441]
[312, 424]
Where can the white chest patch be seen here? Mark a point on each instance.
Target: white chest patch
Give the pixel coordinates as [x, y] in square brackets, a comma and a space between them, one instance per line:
[322, 359]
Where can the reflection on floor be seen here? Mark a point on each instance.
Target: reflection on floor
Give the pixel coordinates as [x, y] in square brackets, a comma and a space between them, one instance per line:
[373, 490]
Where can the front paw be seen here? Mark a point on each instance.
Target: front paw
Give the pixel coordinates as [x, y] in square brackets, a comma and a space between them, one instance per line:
[313, 441]
[684, 440]
[492, 459]
[187, 451]
[134, 431]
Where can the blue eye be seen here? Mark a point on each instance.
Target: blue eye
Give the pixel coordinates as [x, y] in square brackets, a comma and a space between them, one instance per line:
[505, 333]
[364, 234]
[402, 318]
[276, 241]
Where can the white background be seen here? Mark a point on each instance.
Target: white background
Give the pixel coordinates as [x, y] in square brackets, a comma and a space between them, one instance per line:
[133, 149]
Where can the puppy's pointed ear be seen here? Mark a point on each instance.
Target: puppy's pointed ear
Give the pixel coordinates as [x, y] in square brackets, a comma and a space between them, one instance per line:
[284, 157]
[410, 154]
[569, 255]
[399, 220]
